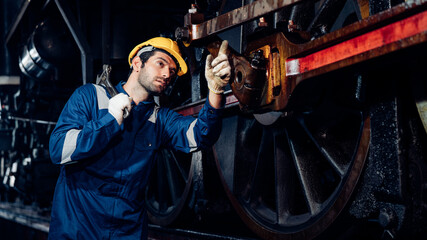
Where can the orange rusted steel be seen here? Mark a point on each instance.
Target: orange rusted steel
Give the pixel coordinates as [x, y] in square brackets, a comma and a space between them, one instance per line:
[287, 63]
[397, 35]
[196, 31]
[398, 28]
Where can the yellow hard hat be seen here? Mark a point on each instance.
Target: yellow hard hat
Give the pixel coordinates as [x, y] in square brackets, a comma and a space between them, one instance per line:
[166, 44]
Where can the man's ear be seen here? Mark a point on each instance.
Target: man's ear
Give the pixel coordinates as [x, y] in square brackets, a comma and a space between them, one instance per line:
[136, 63]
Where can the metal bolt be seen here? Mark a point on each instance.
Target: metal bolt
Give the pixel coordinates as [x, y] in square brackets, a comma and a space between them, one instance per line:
[292, 27]
[193, 8]
[262, 22]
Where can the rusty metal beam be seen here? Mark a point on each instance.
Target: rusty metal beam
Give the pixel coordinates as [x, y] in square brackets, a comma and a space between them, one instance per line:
[398, 28]
[233, 18]
[389, 38]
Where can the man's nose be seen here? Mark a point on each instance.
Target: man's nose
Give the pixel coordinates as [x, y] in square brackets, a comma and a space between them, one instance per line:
[166, 73]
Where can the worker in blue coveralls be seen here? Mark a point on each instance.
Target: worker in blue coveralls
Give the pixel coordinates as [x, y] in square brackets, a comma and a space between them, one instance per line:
[106, 159]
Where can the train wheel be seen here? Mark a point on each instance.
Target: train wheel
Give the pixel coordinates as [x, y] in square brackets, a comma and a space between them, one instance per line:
[291, 179]
[170, 183]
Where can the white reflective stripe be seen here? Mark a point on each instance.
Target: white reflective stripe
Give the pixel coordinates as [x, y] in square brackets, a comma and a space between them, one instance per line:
[292, 67]
[70, 144]
[190, 137]
[153, 116]
[102, 97]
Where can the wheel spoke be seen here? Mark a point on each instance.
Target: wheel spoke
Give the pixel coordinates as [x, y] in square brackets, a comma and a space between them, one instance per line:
[249, 142]
[283, 174]
[182, 173]
[307, 188]
[332, 162]
[258, 172]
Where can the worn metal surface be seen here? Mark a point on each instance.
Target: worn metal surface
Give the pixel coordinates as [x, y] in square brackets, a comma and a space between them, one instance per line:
[312, 59]
[233, 18]
[392, 37]
[290, 63]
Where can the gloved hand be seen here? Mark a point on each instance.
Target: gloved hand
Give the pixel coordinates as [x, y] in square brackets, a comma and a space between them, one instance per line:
[218, 70]
[117, 104]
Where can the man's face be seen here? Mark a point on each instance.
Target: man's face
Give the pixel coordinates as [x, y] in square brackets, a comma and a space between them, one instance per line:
[157, 73]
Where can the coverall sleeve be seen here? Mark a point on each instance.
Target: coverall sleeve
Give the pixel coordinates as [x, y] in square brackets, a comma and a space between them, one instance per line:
[83, 129]
[189, 134]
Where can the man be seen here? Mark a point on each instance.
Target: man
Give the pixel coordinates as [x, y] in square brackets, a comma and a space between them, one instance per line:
[106, 159]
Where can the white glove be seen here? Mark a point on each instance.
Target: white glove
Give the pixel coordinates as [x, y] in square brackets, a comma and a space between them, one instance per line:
[117, 105]
[218, 70]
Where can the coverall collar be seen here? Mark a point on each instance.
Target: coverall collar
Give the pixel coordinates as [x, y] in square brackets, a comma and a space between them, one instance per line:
[120, 89]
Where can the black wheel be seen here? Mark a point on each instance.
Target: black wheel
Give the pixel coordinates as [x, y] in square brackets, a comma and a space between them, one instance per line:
[291, 179]
[170, 183]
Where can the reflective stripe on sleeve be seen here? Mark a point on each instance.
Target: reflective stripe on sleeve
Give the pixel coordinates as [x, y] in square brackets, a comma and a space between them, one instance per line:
[70, 144]
[102, 97]
[190, 137]
[153, 116]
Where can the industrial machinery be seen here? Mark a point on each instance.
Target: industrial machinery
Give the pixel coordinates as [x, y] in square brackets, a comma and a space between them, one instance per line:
[325, 125]
[317, 83]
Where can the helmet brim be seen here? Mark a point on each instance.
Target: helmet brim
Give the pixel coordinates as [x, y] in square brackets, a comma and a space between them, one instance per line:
[182, 68]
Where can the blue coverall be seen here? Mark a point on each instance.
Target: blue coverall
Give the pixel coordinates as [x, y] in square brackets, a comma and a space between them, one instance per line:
[105, 167]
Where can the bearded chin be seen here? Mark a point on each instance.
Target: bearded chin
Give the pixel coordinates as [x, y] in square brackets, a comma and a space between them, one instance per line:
[157, 92]
[150, 87]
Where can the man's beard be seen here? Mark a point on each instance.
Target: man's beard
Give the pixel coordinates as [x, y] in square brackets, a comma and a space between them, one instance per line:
[149, 86]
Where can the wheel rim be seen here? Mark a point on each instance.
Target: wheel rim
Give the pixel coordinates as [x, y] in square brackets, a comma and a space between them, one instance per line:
[293, 178]
[169, 185]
